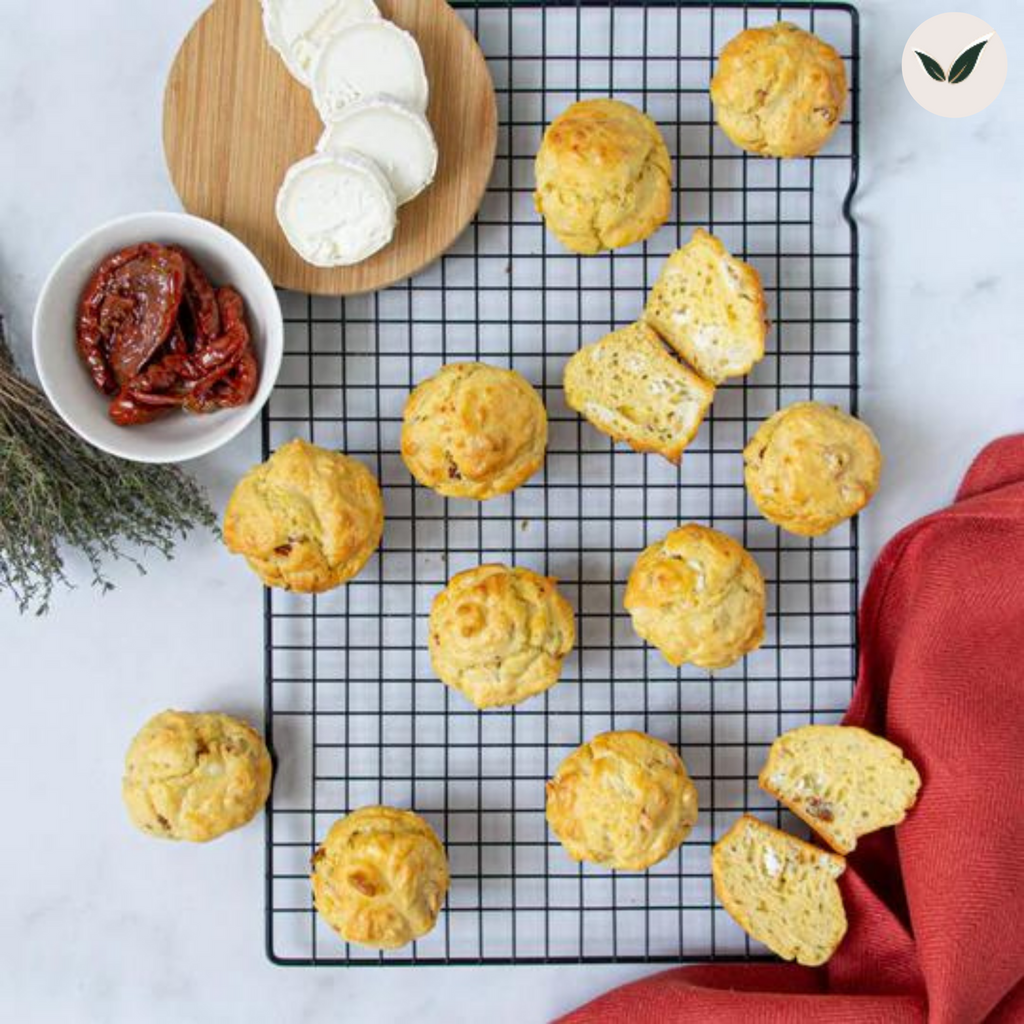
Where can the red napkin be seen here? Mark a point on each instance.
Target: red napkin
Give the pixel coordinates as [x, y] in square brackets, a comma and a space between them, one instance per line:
[935, 906]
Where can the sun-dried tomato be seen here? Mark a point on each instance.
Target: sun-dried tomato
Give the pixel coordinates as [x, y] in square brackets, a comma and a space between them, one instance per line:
[200, 303]
[129, 309]
[156, 334]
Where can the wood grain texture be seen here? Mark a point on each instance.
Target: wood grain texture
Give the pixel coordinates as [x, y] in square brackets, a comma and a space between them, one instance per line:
[235, 120]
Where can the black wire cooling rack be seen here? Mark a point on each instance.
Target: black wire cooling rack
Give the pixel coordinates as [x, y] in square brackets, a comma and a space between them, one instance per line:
[354, 712]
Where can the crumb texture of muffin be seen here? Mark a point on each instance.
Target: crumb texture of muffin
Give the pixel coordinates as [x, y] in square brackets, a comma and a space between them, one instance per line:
[474, 431]
[604, 177]
[500, 635]
[630, 387]
[699, 597]
[709, 306]
[193, 776]
[843, 781]
[780, 890]
[380, 877]
[307, 519]
[623, 800]
[811, 466]
[779, 91]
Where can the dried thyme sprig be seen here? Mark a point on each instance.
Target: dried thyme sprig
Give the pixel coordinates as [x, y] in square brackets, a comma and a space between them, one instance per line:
[56, 491]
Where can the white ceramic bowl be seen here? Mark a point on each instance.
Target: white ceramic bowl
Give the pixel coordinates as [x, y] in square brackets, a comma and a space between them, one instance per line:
[178, 436]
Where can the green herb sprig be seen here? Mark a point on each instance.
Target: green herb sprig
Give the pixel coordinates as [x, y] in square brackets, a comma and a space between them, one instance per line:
[58, 493]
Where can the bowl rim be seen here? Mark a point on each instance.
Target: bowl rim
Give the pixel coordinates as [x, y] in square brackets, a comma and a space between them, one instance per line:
[270, 367]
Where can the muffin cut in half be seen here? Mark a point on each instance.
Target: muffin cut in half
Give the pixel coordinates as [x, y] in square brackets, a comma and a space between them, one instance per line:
[709, 306]
[630, 387]
[780, 890]
[843, 781]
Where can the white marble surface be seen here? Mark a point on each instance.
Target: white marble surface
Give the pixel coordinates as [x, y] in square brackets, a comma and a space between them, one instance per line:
[101, 924]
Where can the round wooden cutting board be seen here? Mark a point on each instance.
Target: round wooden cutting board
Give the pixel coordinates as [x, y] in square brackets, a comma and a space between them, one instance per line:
[235, 120]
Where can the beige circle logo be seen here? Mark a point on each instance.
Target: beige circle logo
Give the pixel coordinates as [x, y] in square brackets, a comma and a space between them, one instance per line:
[954, 65]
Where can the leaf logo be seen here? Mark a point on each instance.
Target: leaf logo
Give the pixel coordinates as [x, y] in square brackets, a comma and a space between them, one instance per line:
[984, 62]
[961, 68]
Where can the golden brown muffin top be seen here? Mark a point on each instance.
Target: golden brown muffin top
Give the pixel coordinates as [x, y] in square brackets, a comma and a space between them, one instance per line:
[779, 91]
[604, 176]
[500, 635]
[380, 877]
[195, 776]
[811, 466]
[474, 431]
[699, 597]
[307, 520]
[624, 800]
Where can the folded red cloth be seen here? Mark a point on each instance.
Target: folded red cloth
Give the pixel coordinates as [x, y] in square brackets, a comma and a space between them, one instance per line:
[935, 906]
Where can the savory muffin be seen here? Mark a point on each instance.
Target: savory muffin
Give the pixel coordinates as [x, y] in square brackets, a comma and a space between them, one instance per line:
[195, 776]
[604, 177]
[500, 635]
[623, 800]
[380, 877]
[779, 91]
[474, 431]
[780, 890]
[630, 387]
[307, 519]
[699, 597]
[811, 466]
[709, 306]
[843, 781]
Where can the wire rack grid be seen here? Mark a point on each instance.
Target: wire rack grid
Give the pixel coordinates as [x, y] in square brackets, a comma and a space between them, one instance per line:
[353, 710]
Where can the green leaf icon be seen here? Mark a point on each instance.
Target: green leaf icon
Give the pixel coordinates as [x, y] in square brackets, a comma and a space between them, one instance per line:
[932, 66]
[966, 62]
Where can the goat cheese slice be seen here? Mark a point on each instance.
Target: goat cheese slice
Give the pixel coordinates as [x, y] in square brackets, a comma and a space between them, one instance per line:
[371, 58]
[391, 134]
[298, 29]
[336, 210]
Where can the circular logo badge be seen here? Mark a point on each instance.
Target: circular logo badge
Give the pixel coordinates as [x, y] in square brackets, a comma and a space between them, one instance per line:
[954, 65]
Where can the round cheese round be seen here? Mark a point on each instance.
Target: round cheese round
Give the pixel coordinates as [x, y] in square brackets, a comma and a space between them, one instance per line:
[336, 210]
[371, 58]
[298, 29]
[392, 134]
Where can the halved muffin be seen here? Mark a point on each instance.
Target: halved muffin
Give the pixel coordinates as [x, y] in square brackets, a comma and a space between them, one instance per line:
[843, 781]
[630, 387]
[780, 890]
[709, 306]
